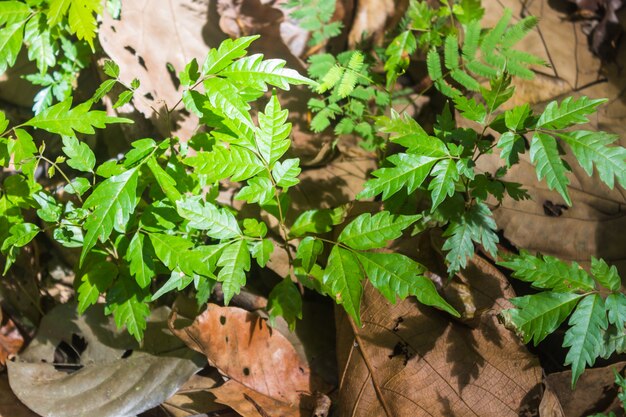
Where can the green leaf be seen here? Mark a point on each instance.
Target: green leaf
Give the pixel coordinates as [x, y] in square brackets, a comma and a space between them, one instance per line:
[24, 151]
[78, 186]
[317, 221]
[80, 155]
[544, 154]
[398, 53]
[124, 98]
[11, 38]
[262, 250]
[445, 175]
[548, 272]
[254, 228]
[57, 11]
[225, 100]
[591, 149]
[253, 71]
[96, 275]
[511, 145]
[219, 58]
[219, 223]
[111, 69]
[616, 310]
[516, 117]
[605, 275]
[82, 19]
[272, 136]
[172, 251]
[571, 111]
[103, 90]
[40, 48]
[584, 337]
[475, 225]
[13, 12]
[139, 257]
[178, 280]
[61, 120]
[165, 180]
[285, 301]
[113, 201]
[538, 315]
[259, 190]
[396, 275]
[308, 251]
[371, 232]
[235, 262]
[286, 173]
[49, 210]
[343, 278]
[238, 163]
[127, 302]
[408, 171]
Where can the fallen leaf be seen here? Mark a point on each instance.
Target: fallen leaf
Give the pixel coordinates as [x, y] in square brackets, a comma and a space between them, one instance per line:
[595, 392]
[194, 397]
[250, 403]
[373, 17]
[11, 340]
[112, 376]
[412, 360]
[243, 348]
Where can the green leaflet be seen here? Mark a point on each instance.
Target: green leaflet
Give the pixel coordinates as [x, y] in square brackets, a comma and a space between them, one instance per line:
[591, 149]
[219, 58]
[253, 71]
[13, 12]
[261, 250]
[286, 173]
[82, 19]
[308, 251]
[584, 337]
[397, 53]
[235, 262]
[236, 162]
[544, 154]
[62, 120]
[538, 315]
[259, 190]
[616, 310]
[165, 180]
[285, 301]
[605, 275]
[128, 303]
[548, 272]
[10, 44]
[445, 175]
[511, 145]
[113, 201]
[371, 232]
[80, 156]
[96, 275]
[343, 278]
[219, 223]
[317, 221]
[140, 263]
[408, 171]
[396, 275]
[568, 113]
[475, 225]
[24, 151]
[40, 47]
[272, 136]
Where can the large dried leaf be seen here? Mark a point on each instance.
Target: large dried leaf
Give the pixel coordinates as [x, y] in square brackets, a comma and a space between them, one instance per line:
[411, 360]
[594, 224]
[242, 347]
[113, 378]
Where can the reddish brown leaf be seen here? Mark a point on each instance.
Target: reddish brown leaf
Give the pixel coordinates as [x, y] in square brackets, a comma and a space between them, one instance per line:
[11, 340]
[250, 403]
[242, 347]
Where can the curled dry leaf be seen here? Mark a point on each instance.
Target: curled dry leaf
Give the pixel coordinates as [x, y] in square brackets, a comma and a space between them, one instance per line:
[411, 360]
[243, 348]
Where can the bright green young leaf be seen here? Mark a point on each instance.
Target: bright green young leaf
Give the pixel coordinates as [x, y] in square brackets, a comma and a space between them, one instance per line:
[24, 151]
[20, 235]
[58, 9]
[82, 19]
[445, 175]
[49, 210]
[371, 232]
[40, 48]
[13, 12]
[317, 221]
[343, 278]
[124, 98]
[285, 301]
[544, 154]
[165, 180]
[262, 250]
[511, 145]
[571, 111]
[308, 251]
[584, 337]
[538, 315]
[259, 190]
[591, 149]
[272, 136]
[11, 38]
[408, 171]
[78, 186]
[253, 71]
[96, 275]
[229, 50]
[548, 272]
[62, 120]
[221, 162]
[286, 173]
[219, 223]
[111, 69]
[128, 303]
[173, 251]
[113, 201]
[140, 262]
[80, 156]
[178, 281]
[235, 262]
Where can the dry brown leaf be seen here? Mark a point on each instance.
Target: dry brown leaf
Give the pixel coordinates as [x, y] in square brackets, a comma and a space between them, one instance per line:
[11, 340]
[373, 17]
[243, 348]
[193, 397]
[250, 403]
[594, 224]
[595, 392]
[411, 360]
